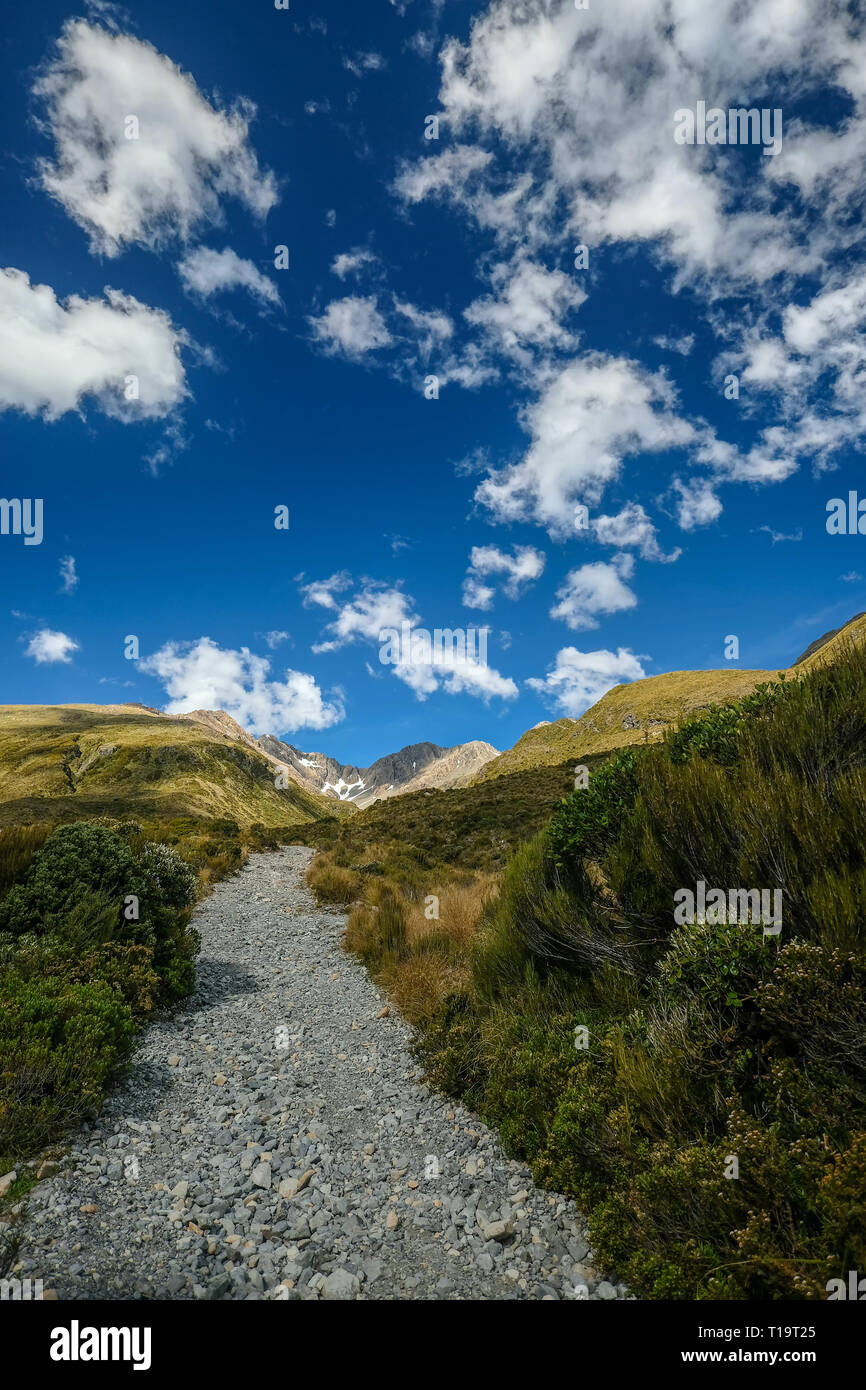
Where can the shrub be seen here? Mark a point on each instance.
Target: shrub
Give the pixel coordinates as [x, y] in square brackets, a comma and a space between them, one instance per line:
[59, 1041]
[709, 1042]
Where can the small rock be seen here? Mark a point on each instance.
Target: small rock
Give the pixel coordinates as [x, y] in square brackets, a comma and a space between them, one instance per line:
[341, 1285]
[6, 1182]
[261, 1175]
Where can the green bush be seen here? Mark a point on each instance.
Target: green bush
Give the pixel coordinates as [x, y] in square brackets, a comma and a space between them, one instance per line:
[59, 1041]
[79, 887]
[707, 1043]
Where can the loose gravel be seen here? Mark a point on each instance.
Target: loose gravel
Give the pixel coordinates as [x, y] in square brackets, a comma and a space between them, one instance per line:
[274, 1139]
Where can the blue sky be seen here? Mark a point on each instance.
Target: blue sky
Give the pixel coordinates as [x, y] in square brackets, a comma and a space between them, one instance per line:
[153, 259]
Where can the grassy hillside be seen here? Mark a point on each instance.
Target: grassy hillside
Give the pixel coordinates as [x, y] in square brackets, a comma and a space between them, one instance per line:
[639, 713]
[62, 762]
[833, 645]
[629, 714]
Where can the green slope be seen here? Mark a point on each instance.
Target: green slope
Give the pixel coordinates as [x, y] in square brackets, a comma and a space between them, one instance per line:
[627, 714]
[62, 762]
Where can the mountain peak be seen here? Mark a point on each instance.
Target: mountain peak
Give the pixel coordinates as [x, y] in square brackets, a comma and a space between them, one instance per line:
[415, 766]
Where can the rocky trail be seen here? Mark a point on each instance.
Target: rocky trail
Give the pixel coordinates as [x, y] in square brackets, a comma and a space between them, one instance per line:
[273, 1138]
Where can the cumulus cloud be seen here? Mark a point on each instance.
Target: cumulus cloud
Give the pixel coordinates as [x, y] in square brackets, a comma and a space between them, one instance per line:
[439, 174]
[631, 528]
[373, 608]
[455, 672]
[350, 262]
[578, 679]
[206, 272]
[530, 72]
[203, 675]
[376, 610]
[116, 350]
[47, 647]
[682, 345]
[526, 309]
[320, 593]
[697, 503]
[352, 326]
[531, 68]
[189, 153]
[519, 569]
[595, 412]
[594, 588]
[429, 327]
[68, 575]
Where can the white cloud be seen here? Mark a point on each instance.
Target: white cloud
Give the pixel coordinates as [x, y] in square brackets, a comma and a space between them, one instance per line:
[631, 528]
[189, 153]
[368, 612]
[595, 412]
[431, 328]
[426, 667]
[52, 354]
[531, 73]
[526, 308]
[594, 588]
[698, 505]
[349, 262]
[362, 63]
[520, 569]
[476, 594]
[275, 637]
[579, 679]
[202, 675]
[776, 536]
[68, 575]
[456, 673]
[208, 272]
[47, 646]
[682, 345]
[441, 173]
[321, 591]
[352, 326]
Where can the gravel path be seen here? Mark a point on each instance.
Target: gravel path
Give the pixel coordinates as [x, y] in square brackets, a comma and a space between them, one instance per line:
[274, 1139]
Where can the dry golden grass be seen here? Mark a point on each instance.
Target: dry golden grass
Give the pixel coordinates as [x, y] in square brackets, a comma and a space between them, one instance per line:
[634, 713]
[417, 956]
[331, 883]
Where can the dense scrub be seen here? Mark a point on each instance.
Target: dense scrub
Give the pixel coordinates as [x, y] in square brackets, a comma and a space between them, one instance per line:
[700, 1089]
[94, 935]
